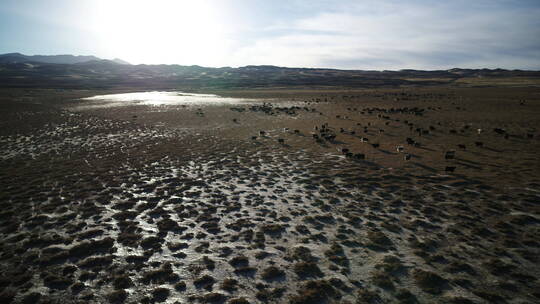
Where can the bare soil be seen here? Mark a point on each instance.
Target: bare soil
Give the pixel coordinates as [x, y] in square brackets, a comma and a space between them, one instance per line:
[151, 204]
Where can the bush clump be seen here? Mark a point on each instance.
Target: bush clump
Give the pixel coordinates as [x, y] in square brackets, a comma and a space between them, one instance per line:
[429, 281]
[272, 273]
[314, 292]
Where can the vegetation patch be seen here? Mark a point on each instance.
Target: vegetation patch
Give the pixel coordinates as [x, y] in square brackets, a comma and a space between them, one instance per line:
[88, 248]
[238, 301]
[267, 295]
[214, 297]
[382, 279]
[429, 281]
[307, 270]
[314, 292]
[117, 296]
[160, 294]
[160, 276]
[367, 296]
[379, 241]
[122, 282]
[336, 254]
[229, 285]
[205, 282]
[302, 253]
[239, 261]
[272, 273]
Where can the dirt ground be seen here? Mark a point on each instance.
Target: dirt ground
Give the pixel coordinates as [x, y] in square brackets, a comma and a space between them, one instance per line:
[413, 195]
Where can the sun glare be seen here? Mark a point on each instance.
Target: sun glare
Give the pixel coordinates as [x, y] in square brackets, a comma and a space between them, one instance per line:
[184, 32]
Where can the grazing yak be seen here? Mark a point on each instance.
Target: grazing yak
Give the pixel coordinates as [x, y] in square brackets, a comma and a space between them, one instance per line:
[499, 131]
[360, 156]
[450, 154]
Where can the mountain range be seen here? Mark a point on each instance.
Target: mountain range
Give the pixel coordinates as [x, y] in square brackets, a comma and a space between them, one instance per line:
[90, 72]
[58, 59]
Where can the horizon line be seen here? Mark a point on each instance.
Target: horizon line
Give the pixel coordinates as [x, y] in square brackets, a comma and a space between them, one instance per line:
[260, 65]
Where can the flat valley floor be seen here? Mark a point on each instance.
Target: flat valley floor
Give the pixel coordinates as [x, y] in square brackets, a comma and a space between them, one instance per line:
[346, 196]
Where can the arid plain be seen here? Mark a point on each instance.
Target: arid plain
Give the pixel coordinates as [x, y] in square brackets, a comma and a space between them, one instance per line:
[390, 195]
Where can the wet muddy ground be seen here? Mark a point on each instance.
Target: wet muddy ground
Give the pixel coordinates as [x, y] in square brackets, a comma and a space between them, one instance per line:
[194, 204]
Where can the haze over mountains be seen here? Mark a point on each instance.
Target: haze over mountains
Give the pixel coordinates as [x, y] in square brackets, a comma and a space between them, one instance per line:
[58, 59]
[69, 71]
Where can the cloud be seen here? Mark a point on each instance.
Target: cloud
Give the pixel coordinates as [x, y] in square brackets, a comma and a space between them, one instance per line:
[396, 36]
[347, 34]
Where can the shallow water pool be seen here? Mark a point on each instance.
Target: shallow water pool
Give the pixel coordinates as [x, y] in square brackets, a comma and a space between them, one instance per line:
[157, 98]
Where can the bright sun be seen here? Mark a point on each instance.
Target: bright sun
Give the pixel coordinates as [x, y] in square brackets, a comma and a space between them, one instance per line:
[161, 31]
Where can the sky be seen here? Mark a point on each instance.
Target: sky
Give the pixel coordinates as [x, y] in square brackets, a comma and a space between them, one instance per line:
[355, 34]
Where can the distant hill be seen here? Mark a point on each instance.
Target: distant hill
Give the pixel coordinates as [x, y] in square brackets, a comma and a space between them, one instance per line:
[120, 61]
[57, 59]
[18, 70]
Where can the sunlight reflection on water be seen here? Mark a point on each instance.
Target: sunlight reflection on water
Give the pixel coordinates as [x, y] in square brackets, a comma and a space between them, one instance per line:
[156, 98]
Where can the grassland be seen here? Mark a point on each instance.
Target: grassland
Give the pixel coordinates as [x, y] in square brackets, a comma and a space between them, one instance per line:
[146, 204]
